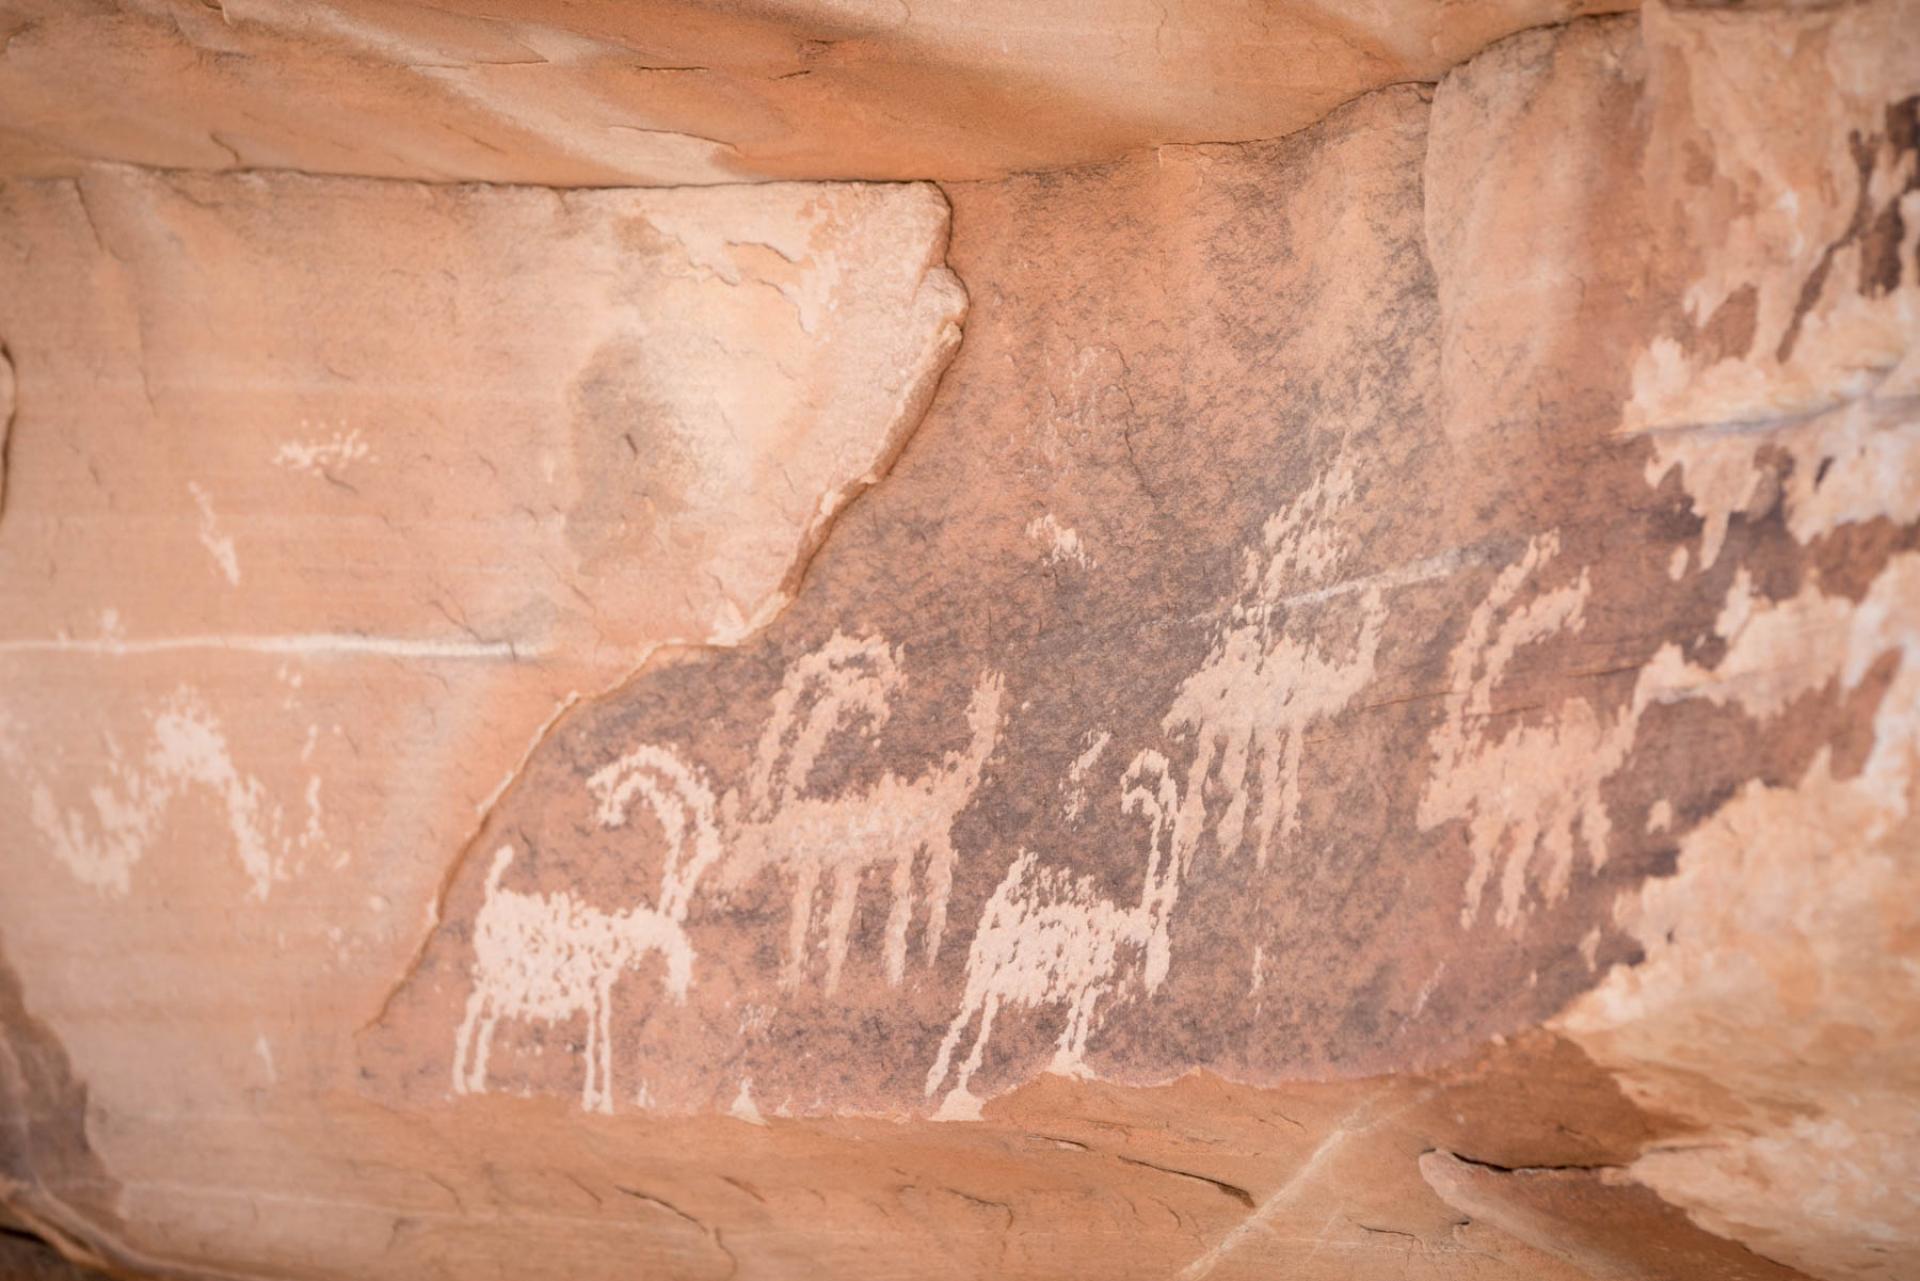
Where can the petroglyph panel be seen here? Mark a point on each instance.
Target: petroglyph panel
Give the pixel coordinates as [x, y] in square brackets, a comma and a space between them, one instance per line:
[1235, 729]
[1351, 600]
[1046, 938]
[121, 810]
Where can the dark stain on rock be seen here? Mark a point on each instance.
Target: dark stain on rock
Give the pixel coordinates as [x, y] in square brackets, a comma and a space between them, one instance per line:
[1882, 241]
[55, 1180]
[1879, 231]
[631, 460]
[1729, 331]
[26, 1257]
[7, 405]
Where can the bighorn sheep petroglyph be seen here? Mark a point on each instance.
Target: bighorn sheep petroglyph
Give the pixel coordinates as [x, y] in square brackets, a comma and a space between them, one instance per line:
[1046, 937]
[1489, 770]
[839, 838]
[1268, 680]
[552, 957]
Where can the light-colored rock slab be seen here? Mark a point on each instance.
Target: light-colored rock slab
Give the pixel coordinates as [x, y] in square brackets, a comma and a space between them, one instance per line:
[1596, 1219]
[1740, 225]
[325, 496]
[693, 91]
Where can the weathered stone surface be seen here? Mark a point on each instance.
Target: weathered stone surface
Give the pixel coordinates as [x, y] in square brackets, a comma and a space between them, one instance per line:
[1603, 1223]
[1200, 1179]
[693, 91]
[1775, 1007]
[696, 382]
[25, 1258]
[1353, 600]
[310, 530]
[45, 1110]
[6, 420]
[1214, 676]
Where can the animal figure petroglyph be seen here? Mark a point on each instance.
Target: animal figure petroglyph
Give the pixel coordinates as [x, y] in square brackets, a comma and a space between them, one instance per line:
[781, 825]
[1263, 686]
[1530, 794]
[551, 957]
[1047, 938]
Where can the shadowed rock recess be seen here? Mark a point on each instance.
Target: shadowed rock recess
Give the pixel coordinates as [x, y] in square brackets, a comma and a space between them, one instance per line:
[1338, 706]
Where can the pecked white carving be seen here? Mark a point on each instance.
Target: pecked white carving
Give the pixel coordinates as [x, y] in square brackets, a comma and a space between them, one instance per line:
[1046, 938]
[781, 825]
[551, 957]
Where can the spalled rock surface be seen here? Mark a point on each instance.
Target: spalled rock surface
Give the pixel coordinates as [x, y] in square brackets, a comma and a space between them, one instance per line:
[1606, 1225]
[575, 422]
[309, 531]
[696, 91]
[1352, 600]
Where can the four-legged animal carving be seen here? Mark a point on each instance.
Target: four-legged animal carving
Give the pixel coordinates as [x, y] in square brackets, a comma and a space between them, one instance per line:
[1047, 939]
[1268, 679]
[552, 957]
[839, 838]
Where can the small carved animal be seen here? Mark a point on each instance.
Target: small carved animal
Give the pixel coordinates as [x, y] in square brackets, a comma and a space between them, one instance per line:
[839, 838]
[552, 957]
[1046, 938]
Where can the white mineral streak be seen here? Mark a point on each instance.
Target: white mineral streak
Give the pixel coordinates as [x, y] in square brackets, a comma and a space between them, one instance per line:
[300, 645]
[1844, 466]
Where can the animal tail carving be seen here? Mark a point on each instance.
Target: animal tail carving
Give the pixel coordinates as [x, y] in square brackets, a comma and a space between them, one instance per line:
[683, 804]
[984, 720]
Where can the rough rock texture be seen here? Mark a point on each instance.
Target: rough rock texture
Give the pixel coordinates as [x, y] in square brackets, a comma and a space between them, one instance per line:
[1370, 729]
[696, 91]
[26, 1258]
[1599, 1220]
[311, 530]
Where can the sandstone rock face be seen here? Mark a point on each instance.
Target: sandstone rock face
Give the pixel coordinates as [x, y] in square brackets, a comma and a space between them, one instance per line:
[1606, 1225]
[299, 495]
[1371, 724]
[25, 1259]
[695, 91]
